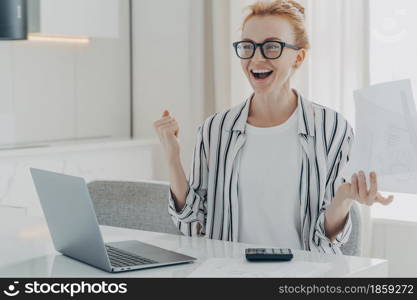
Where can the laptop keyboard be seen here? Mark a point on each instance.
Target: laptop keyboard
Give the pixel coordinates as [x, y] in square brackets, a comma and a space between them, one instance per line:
[120, 258]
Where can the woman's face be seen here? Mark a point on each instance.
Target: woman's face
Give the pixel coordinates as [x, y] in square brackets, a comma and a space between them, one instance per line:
[259, 29]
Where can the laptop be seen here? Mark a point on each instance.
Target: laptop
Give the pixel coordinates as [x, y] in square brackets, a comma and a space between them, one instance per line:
[75, 232]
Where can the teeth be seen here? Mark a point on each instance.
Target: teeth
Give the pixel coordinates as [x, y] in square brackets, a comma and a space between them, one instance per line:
[261, 71]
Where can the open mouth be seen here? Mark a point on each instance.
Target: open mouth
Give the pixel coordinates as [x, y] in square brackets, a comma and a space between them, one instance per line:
[261, 74]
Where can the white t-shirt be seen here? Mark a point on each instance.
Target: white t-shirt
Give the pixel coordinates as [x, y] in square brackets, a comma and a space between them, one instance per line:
[268, 191]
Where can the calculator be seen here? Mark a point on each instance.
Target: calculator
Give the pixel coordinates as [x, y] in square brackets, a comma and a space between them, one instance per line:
[262, 254]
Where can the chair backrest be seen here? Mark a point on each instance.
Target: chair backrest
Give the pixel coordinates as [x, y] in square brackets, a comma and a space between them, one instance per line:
[138, 205]
[353, 246]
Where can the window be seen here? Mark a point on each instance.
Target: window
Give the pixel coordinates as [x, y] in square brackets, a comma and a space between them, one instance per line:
[393, 48]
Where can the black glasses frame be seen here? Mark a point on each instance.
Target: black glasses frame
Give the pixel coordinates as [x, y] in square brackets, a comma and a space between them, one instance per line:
[260, 45]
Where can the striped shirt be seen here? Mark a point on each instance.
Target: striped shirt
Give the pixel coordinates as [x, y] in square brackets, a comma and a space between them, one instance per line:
[211, 205]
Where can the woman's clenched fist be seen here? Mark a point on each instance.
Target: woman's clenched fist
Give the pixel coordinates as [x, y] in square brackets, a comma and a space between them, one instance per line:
[167, 129]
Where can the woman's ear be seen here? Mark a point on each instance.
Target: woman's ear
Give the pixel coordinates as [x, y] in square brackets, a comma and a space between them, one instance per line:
[301, 55]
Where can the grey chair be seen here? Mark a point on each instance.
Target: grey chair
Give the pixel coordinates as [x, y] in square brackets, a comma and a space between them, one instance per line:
[353, 246]
[144, 205]
[138, 205]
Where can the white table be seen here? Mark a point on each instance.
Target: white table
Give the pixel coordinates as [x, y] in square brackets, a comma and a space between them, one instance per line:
[26, 250]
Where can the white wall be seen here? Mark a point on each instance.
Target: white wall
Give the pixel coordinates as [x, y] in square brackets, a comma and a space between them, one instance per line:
[396, 241]
[92, 160]
[167, 79]
[58, 91]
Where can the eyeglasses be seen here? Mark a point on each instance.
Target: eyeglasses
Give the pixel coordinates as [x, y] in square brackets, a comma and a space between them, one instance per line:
[269, 49]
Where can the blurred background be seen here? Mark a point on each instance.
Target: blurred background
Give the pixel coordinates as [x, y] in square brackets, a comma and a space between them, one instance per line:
[82, 86]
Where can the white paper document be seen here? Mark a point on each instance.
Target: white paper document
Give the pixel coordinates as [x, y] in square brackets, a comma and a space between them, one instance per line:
[240, 267]
[386, 136]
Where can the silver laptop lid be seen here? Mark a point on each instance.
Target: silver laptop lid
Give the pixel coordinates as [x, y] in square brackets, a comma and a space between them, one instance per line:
[70, 216]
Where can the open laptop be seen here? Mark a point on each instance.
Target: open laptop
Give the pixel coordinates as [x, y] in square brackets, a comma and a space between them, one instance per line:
[73, 225]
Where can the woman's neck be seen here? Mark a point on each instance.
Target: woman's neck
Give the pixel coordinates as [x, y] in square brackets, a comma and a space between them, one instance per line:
[267, 110]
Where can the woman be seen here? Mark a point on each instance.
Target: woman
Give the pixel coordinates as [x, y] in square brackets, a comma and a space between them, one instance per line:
[267, 171]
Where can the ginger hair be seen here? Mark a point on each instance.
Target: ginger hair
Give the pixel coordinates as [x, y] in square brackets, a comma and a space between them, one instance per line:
[289, 9]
